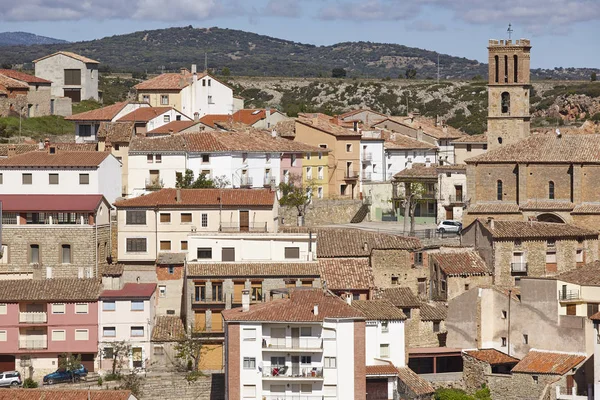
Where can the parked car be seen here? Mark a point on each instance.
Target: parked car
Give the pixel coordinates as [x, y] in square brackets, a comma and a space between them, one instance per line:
[65, 376]
[10, 378]
[449, 226]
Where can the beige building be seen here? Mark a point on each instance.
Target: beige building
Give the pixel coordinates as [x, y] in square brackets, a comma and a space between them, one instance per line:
[39, 102]
[452, 187]
[469, 146]
[115, 137]
[455, 272]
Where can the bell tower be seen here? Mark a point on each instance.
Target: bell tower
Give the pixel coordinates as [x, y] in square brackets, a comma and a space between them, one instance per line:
[508, 92]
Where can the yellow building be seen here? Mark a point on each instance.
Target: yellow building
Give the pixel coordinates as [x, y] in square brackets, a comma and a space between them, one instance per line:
[315, 170]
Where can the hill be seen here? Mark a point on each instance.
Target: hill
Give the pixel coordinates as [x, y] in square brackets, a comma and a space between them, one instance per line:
[250, 54]
[26, 39]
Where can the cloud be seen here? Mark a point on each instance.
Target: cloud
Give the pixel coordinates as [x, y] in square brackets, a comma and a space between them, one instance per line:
[282, 8]
[425, 26]
[369, 10]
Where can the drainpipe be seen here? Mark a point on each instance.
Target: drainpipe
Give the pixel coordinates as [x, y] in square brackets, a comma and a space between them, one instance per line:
[156, 233]
[508, 335]
[96, 247]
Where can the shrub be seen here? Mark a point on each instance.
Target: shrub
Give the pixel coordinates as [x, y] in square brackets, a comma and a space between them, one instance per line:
[100, 381]
[451, 394]
[30, 384]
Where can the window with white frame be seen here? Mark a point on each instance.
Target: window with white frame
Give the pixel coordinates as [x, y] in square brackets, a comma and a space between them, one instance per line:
[162, 291]
[59, 335]
[385, 327]
[81, 308]
[249, 363]
[579, 255]
[330, 362]
[320, 172]
[249, 334]
[293, 160]
[167, 118]
[137, 305]
[308, 172]
[306, 331]
[249, 391]
[108, 306]
[158, 158]
[3, 336]
[164, 99]
[82, 334]
[205, 220]
[3, 309]
[58, 308]
[306, 360]
[384, 350]
[320, 192]
[109, 331]
[137, 331]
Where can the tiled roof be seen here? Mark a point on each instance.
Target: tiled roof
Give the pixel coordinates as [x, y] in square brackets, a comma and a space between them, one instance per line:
[172, 127]
[131, 291]
[381, 370]
[112, 270]
[69, 54]
[19, 148]
[586, 208]
[170, 258]
[61, 289]
[22, 76]
[64, 394]
[250, 116]
[403, 142]
[380, 310]
[433, 312]
[11, 83]
[116, 132]
[286, 128]
[60, 159]
[595, 317]
[357, 111]
[414, 382]
[299, 307]
[198, 198]
[327, 127]
[212, 119]
[50, 202]
[204, 142]
[586, 275]
[546, 362]
[72, 146]
[464, 263]
[253, 269]
[167, 328]
[168, 81]
[472, 139]
[546, 148]
[492, 356]
[359, 243]
[534, 229]
[401, 297]
[428, 126]
[547, 205]
[100, 114]
[451, 167]
[418, 171]
[495, 208]
[173, 144]
[346, 273]
[145, 114]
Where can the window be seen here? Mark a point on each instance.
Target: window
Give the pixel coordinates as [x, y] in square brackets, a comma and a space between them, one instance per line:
[203, 82]
[385, 327]
[27, 179]
[535, 379]
[146, 98]
[306, 331]
[320, 192]
[167, 118]
[184, 245]
[137, 331]
[164, 99]
[505, 69]
[394, 280]
[158, 158]
[165, 245]
[466, 287]
[320, 155]
[308, 172]
[503, 341]
[292, 252]
[384, 350]
[205, 158]
[515, 68]
[320, 172]
[419, 258]
[505, 104]
[592, 308]
[108, 353]
[109, 331]
[59, 335]
[249, 391]
[249, 363]
[210, 101]
[1, 179]
[293, 160]
[579, 255]
[551, 243]
[186, 218]
[137, 305]
[551, 190]
[551, 257]
[205, 220]
[81, 308]
[228, 254]
[135, 217]
[3, 309]
[136, 245]
[308, 156]
[525, 339]
[343, 189]
[165, 217]
[150, 158]
[249, 334]
[208, 82]
[468, 147]
[66, 253]
[496, 67]
[82, 334]
[204, 253]
[348, 148]
[85, 130]
[108, 306]
[307, 360]
[171, 270]
[72, 77]
[34, 253]
[3, 336]
[330, 362]
[504, 314]
[84, 179]
[436, 326]
[162, 291]
[499, 190]
[217, 294]
[406, 312]
[53, 179]
[158, 350]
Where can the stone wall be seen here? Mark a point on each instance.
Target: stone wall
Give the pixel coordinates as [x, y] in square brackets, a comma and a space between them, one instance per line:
[322, 212]
[420, 333]
[63, 106]
[522, 386]
[40, 101]
[380, 197]
[399, 264]
[12, 105]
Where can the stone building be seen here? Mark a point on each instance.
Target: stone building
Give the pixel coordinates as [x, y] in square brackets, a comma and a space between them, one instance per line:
[54, 236]
[13, 97]
[516, 249]
[115, 137]
[452, 187]
[479, 363]
[169, 275]
[455, 272]
[38, 95]
[348, 276]
[166, 333]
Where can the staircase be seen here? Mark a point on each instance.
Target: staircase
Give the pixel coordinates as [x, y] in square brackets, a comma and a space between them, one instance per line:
[361, 214]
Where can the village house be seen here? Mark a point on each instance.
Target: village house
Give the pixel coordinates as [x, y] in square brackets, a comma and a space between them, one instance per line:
[180, 126]
[456, 271]
[469, 146]
[364, 116]
[478, 364]
[310, 344]
[115, 137]
[42, 319]
[72, 75]
[39, 101]
[13, 97]
[453, 196]
[54, 236]
[149, 118]
[421, 181]
[516, 249]
[402, 152]
[166, 334]
[257, 118]
[372, 158]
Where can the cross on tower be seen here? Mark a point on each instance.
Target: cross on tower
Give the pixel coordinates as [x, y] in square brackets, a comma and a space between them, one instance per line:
[510, 31]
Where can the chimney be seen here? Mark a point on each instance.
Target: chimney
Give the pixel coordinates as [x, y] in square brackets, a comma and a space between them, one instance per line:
[349, 298]
[490, 222]
[12, 150]
[355, 126]
[46, 143]
[427, 163]
[365, 246]
[182, 70]
[171, 132]
[178, 198]
[245, 300]
[196, 116]
[268, 113]
[316, 309]
[273, 133]
[194, 69]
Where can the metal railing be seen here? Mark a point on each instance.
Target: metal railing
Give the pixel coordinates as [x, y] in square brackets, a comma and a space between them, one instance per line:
[457, 199]
[269, 181]
[212, 299]
[569, 295]
[350, 174]
[33, 317]
[298, 372]
[292, 397]
[246, 181]
[154, 184]
[367, 156]
[235, 227]
[291, 343]
[518, 267]
[33, 344]
[366, 176]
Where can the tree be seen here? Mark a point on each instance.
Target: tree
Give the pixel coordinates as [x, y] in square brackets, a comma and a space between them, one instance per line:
[186, 181]
[70, 362]
[188, 349]
[413, 192]
[297, 194]
[338, 73]
[118, 353]
[225, 71]
[410, 73]
[132, 382]
[593, 77]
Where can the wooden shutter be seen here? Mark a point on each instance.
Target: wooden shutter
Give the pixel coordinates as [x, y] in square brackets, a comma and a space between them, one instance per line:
[571, 309]
[244, 221]
[200, 321]
[217, 321]
[237, 291]
[212, 357]
[228, 254]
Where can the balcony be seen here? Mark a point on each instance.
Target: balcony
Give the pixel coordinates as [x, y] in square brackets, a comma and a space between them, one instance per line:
[457, 199]
[569, 295]
[33, 344]
[154, 184]
[215, 299]
[245, 181]
[294, 373]
[33, 317]
[350, 175]
[563, 393]
[365, 176]
[292, 397]
[260, 227]
[269, 181]
[520, 267]
[312, 344]
[367, 156]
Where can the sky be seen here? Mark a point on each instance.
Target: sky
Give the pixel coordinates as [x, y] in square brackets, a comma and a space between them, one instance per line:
[564, 33]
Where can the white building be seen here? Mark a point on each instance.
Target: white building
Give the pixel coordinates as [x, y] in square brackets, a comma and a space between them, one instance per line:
[310, 345]
[61, 172]
[147, 119]
[372, 157]
[452, 189]
[402, 152]
[126, 315]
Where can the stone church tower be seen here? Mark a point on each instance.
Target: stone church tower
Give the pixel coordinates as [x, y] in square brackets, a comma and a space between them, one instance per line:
[508, 92]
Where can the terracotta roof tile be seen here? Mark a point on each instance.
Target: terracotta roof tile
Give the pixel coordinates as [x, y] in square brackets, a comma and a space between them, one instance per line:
[433, 312]
[50, 202]
[547, 205]
[253, 269]
[70, 54]
[131, 291]
[145, 114]
[586, 208]
[595, 317]
[494, 208]
[351, 243]
[546, 362]
[100, 114]
[204, 142]
[346, 273]
[71, 146]
[11, 83]
[212, 119]
[116, 132]
[60, 289]
[492, 356]
[286, 128]
[249, 116]
[401, 297]
[60, 159]
[586, 275]
[171, 258]
[472, 139]
[381, 370]
[22, 76]
[418, 171]
[427, 125]
[464, 263]
[64, 394]
[357, 111]
[168, 81]
[173, 127]
[169, 144]
[380, 310]
[112, 270]
[298, 308]
[327, 127]
[198, 198]
[167, 328]
[402, 142]
[414, 382]
[19, 148]
[534, 229]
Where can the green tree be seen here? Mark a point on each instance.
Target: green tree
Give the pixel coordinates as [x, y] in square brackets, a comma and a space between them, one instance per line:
[186, 181]
[413, 193]
[70, 362]
[189, 349]
[410, 73]
[338, 73]
[295, 193]
[593, 77]
[225, 71]
[118, 353]
[133, 382]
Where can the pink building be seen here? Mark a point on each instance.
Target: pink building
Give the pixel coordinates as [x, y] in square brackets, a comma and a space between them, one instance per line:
[42, 319]
[291, 164]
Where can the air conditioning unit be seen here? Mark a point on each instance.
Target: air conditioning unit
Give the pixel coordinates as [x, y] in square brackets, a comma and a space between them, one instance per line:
[170, 312]
[194, 229]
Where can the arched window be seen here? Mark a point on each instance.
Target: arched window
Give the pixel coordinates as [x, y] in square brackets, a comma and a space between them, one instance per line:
[515, 68]
[497, 68]
[505, 103]
[505, 69]
[499, 189]
[551, 190]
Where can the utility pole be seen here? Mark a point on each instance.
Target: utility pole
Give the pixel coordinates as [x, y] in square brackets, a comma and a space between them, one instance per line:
[438, 76]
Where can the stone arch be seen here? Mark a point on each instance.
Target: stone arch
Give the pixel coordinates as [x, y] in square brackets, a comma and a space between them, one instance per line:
[505, 103]
[550, 217]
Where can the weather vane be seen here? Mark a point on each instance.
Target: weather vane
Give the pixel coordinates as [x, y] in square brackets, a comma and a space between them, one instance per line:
[510, 31]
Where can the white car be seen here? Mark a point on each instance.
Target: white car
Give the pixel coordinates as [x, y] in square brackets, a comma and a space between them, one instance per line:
[10, 378]
[449, 226]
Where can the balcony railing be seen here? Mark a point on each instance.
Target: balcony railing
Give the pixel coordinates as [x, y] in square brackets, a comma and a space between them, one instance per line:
[457, 199]
[350, 174]
[269, 181]
[366, 176]
[565, 295]
[235, 227]
[33, 344]
[33, 317]
[367, 156]
[292, 343]
[518, 267]
[213, 299]
[153, 184]
[286, 372]
[246, 181]
[292, 397]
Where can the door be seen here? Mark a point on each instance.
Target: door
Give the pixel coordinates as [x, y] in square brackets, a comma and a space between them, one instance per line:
[136, 356]
[278, 337]
[295, 338]
[154, 176]
[244, 221]
[450, 213]
[295, 365]
[7, 362]
[570, 384]
[73, 94]
[458, 191]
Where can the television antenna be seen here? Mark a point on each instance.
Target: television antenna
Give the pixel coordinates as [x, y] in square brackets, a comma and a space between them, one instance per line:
[509, 31]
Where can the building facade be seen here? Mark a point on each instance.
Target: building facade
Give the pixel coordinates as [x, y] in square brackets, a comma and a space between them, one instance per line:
[39, 101]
